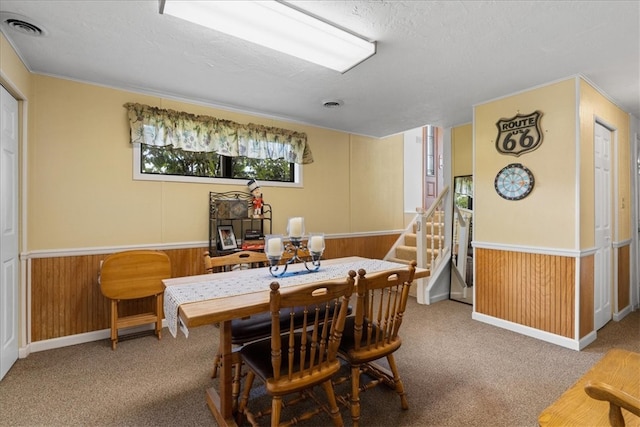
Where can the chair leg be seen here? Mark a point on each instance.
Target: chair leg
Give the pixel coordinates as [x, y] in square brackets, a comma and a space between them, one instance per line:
[114, 324]
[399, 387]
[235, 360]
[248, 383]
[276, 409]
[235, 384]
[355, 395]
[216, 364]
[336, 417]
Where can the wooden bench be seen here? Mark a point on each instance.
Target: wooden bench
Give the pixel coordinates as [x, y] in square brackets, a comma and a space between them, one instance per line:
[598, 396]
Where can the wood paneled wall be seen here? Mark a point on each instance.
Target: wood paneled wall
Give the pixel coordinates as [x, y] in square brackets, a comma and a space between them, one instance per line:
[529, 289]
[624, 277]
[587, 295]
[66, 298]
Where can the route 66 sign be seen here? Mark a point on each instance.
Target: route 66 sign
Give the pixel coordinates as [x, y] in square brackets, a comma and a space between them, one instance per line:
[519, 134]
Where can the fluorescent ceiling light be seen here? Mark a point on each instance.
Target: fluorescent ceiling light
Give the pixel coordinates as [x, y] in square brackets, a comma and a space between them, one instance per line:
[278, 26]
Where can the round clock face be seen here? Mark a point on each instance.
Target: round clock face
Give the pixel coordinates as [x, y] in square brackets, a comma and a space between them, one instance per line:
[514, 182]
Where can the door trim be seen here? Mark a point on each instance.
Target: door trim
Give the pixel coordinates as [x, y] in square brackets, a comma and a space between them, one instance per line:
[10, 235]
[612, 196]
[24, 315]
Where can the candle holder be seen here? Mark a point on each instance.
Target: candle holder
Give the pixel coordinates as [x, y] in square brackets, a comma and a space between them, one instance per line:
[275, 249]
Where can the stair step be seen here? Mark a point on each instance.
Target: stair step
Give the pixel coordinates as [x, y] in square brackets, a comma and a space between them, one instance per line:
[406, 252]
[410, 239]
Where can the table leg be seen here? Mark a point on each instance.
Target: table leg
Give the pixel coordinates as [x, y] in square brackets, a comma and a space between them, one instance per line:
[220, 403]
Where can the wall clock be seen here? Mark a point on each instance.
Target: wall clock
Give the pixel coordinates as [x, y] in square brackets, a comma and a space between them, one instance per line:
[514, 182]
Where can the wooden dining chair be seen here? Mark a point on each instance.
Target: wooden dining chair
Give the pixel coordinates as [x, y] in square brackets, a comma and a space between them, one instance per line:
[372, 333]
[241, 259]
[302, 357]
[134, 274]
[247, 329]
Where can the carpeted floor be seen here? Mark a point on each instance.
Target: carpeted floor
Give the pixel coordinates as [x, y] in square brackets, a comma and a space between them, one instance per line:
[457, 372]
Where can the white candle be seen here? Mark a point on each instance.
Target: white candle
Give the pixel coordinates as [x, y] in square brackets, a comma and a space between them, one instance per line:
[316, 243]
[274, 247]
[295, 227]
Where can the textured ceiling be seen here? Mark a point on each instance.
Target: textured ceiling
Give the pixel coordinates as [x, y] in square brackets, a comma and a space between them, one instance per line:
[434, 60]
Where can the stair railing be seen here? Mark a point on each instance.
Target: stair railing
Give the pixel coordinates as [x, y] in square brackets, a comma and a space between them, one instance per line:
[430, 233]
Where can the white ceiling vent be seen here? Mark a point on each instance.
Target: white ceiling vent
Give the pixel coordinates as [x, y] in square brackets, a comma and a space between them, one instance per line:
[332, 103]
[21, 24]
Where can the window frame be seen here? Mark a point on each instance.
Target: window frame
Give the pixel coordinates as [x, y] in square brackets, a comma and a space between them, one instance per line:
[139, 176]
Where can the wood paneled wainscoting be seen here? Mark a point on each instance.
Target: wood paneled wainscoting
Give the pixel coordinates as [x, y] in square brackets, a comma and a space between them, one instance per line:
[624, 277]
[533, 290]
[66, 298]
[65, 294]
[539, 291]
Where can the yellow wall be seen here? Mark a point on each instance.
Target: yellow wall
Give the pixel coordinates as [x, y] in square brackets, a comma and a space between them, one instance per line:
[595, 107]
[547, 217]
[462, 150]
[81, 191]
[376, 182]
[80, 166]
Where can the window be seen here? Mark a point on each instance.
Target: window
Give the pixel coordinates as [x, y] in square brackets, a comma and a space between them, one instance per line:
[176, 146]
[168, 164]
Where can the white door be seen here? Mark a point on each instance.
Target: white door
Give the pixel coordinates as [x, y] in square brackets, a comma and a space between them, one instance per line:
[603, 259]
[9, 265]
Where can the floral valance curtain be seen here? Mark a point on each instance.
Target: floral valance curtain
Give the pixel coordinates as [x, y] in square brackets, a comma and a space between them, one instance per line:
[189, 132]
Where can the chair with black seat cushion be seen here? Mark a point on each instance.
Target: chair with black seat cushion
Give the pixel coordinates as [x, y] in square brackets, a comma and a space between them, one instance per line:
[302, 357]
[372, 333]
[256, 326]
[249, 328]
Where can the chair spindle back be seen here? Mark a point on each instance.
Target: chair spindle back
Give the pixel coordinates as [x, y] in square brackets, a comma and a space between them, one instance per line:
[313, 345]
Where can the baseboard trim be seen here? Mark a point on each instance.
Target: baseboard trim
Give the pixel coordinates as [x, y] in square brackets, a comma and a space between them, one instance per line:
[622, 313]
[528, 331]
[437, 298]
[588, 339]
[103, 334]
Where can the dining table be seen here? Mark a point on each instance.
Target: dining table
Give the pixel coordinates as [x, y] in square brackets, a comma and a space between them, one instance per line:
[219, 298]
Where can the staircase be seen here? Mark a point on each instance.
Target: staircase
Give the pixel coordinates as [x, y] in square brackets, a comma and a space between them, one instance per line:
[406, 251]
[424, 241]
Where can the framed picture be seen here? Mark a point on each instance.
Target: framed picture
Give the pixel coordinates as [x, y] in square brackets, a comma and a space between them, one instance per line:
[232, 208]
[227, 237]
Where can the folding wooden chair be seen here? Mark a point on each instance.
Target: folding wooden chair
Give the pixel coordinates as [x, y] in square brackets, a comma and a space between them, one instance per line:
[130, 275]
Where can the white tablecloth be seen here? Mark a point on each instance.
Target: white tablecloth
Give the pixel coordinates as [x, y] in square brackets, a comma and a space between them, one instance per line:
[256, 280]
